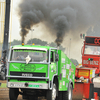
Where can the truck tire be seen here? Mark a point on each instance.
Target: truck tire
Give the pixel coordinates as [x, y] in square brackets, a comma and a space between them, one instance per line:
[59, 97]
[67, 95]
[24, 97]
[51, 94]
[13, 93]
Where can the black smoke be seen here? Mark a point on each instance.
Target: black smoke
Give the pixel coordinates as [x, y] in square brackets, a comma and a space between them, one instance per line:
[60, 16]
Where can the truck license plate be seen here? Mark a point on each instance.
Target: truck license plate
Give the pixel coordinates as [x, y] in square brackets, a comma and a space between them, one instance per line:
[18, 85]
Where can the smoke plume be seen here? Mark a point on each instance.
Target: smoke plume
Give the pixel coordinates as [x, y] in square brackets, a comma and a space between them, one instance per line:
[59, 16]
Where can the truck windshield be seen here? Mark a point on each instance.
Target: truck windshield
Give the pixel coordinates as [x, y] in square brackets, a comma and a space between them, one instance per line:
[34, 55]
[92, 50]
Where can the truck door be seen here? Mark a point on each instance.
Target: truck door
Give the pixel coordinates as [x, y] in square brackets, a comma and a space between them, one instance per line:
[53, 65]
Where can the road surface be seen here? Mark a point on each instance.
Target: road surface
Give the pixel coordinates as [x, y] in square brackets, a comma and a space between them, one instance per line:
[4, 92]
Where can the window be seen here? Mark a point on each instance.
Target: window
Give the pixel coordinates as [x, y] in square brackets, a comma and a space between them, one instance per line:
[92, 50]
[52, 56]
[35, 55]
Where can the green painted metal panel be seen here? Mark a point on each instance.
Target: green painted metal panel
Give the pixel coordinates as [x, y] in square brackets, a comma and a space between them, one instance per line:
[34, 46]
[15, 80]
[66, 71]
[52, 70]
[23, 67]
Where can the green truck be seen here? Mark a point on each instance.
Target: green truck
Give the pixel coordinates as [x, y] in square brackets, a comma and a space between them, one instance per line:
[36, 71]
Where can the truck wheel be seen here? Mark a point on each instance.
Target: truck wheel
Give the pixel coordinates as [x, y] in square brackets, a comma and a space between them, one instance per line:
[24, 97]
[67, 95]
[51, 94]
[13, 93]
[59, 97]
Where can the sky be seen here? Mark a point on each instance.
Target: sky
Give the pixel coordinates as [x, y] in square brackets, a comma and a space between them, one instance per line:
[83, 18]
[15, 25]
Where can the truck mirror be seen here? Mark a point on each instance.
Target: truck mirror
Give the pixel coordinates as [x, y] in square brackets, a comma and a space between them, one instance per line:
[56, 57]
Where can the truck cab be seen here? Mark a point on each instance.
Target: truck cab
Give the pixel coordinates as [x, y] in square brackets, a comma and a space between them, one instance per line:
[39, 71]
[91, 53]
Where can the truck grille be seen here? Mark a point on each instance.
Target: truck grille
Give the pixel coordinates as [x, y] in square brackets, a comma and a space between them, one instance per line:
[28, 74]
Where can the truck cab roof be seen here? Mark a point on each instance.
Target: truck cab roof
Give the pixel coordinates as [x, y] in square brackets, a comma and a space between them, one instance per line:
[32, 46]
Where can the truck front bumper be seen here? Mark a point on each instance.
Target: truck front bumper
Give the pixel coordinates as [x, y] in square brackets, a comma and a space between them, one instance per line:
[27, 85]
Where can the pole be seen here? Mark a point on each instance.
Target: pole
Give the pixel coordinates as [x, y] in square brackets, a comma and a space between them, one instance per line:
[6, 27]
[69, 47]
